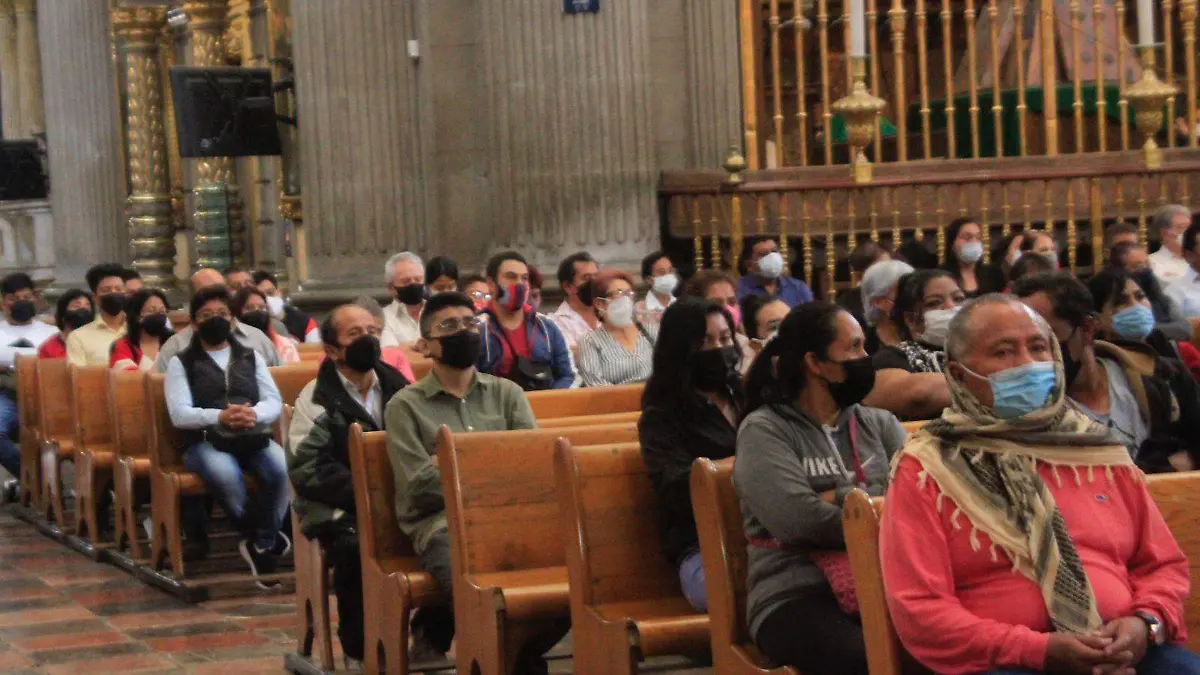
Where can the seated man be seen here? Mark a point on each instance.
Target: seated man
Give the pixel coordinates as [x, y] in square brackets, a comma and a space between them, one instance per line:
[1158, 420]
[20, 333]
[223, 401]
[454, 395]
[766, 274]
[247, 336]
[352, 386]
[1018, 535]
[91, 344]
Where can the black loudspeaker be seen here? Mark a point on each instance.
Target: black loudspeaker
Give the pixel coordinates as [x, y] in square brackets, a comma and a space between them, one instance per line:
[22, 175]
[225, 112]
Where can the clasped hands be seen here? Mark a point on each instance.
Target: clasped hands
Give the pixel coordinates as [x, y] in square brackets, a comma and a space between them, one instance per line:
[238, 416]
[1115, 650]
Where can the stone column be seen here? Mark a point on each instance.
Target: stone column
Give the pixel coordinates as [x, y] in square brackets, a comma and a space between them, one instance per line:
[33, 118]
[215, 175]
[87, 184]
[10, 86]
[151, 226]
[714, 80]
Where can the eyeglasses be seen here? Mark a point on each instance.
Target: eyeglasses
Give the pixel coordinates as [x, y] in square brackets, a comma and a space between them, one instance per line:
[480, 295]
[617, 295]
[451, 326]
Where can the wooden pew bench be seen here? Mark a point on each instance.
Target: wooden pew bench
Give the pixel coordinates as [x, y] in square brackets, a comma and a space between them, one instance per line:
[29, 416]
[57, 440]
[1178, 498]
[590, 401]
[509, 567]
[130, 435]
[723, 551]
[95, 451]
[861, 517]
[626, 602]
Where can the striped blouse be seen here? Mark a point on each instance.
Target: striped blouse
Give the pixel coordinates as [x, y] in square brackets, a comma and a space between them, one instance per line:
[603, 361]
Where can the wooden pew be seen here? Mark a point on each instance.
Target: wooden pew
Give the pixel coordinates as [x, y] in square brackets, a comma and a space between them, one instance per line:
[310, 353]
[582, 402]
[292, 379]
[723, 550]
[861, 516]
[505, 537]
[169, 482]
[95, 452]
[1178, 498]
[30, 418]
[57, 443]
[421, 368]
[179, 319]
[394, 585]
[591, 420]
[127, 410]
[626, 603]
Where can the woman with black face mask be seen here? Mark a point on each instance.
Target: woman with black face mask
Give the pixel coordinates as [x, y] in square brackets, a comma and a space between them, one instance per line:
[690, 409]
[146, 331]
[250, 307]
[805, 443]
[73, 310]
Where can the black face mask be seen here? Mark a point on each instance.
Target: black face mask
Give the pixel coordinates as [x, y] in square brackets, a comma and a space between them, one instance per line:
[1071, 365]
[363, 353]
[155, 325]
[22, 311]
[713, 368]
[112, 304]
[461, 350]
[860, 379]
[256, 319]
[215, 331]
[412, 294]
[78, 318]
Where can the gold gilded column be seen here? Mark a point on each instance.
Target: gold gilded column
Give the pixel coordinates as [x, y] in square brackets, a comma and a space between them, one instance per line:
[29, 69]
[148, 207]
[216, 190]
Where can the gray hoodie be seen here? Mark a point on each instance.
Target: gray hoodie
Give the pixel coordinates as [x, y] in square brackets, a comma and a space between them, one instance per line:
[785, 459]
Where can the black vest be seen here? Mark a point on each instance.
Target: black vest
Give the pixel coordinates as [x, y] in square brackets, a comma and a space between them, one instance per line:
[214, 388]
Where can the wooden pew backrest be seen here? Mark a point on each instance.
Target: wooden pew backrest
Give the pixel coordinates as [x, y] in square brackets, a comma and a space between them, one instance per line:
[375, 497]
[1178, 498]
[161, 447]
[127, 410]
[500, 497]
[54, 398]
[89, 405]
[589, 401]
[861, 516]
[719, 524]
[27, 390]
[293, 378]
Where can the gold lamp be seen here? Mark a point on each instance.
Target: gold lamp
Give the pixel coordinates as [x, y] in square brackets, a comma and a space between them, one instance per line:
[1149, 95]
[859, 110]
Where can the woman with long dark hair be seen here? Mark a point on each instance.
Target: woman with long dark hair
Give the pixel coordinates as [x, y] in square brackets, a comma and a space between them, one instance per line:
[805, 444]
[964, 259]
[690, 409]
[73, 310]
[146, 331]
[250, 307]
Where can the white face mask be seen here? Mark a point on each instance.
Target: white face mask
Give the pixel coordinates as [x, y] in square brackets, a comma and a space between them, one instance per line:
[275, 306]
[620, 312]
[665, 285]
[770, 266]
[937, 326]
[971, 252]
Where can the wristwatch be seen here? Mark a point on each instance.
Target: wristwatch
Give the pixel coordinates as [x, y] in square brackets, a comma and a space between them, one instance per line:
[1157, 634]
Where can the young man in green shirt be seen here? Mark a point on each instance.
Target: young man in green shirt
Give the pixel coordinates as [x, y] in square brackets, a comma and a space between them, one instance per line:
[455, 395]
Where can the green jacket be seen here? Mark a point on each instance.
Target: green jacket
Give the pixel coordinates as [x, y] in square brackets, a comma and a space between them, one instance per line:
[317, 448]
[413, 419]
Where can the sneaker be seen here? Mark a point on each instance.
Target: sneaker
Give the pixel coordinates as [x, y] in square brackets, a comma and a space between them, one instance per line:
[261, 562]
[283, 546]
[353, 665]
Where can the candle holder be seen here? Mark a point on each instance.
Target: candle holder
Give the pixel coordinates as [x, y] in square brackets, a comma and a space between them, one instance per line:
[1148, 96]
[859, 110]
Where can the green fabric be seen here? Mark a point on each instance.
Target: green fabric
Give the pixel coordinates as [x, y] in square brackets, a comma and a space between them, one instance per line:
[837, 128]
[413, 418]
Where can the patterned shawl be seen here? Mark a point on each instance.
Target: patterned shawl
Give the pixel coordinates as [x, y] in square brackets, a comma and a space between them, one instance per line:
[988, 469]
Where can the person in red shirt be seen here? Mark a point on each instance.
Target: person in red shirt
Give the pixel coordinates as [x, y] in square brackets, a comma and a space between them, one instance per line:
[74, 309]
[1018, 536]
[147, 330]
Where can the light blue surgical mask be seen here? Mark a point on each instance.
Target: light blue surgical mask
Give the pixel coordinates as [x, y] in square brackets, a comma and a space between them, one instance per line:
[1021, 390]
[770, 266]
[1134, 323]
[971, 252]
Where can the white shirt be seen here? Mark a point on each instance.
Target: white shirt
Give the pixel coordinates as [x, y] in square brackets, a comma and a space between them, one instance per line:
[30, 336]
[185, 414]
[1168, 267]
[372, 403]
[399, 328]
[572, 324]
[1186, 293]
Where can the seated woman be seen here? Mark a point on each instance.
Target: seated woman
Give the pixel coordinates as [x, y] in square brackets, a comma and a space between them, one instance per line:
[1168, 318]
[878, 287]
[441, 275]
[804, 446]
[964, 259]
[146, 331]
[721, 288]
[909, 381]
[1007, 251]
[762, 316]
[73, 310]
[619, 350]
[223, 401]
[1041, 243]
[249, 305]
[690, 409]
[298, 324]
[1018, 536]
[658, 273]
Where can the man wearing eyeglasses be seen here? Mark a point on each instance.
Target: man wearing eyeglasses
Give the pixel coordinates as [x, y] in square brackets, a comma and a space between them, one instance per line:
[457, 396]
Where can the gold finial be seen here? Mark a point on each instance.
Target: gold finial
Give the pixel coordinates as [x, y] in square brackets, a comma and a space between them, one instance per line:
[1148, 96]
[859, 111]
[735, 164]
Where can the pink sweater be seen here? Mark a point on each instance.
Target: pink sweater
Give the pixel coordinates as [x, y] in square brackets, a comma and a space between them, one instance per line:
[958, 610]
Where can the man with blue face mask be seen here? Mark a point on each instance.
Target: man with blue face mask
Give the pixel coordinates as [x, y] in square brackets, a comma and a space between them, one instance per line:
[1159, 420]
[767, 275]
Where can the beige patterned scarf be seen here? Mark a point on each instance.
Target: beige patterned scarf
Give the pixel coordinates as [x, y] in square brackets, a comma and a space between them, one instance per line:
[987, 467]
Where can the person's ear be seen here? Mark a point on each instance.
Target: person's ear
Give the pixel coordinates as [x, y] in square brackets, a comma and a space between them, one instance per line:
[812, 363]
[421, 346]
[331, 352]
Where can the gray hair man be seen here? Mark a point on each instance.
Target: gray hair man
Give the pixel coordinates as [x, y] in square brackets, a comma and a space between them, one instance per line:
[1170, 222]
[879, 288]
[404, 274]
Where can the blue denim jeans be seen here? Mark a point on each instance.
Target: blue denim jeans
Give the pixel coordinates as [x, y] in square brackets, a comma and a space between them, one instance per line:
[691, 578]
[259, 516]
[10, 451]
[1165, 660]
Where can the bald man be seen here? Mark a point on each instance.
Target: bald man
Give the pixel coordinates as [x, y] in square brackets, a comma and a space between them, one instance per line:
[248, 336]
[206, 276]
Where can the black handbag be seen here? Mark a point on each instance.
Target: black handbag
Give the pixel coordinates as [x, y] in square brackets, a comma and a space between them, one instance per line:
[238, 441]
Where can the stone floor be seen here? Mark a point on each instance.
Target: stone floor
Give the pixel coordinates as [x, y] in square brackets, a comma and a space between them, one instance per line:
[63, 614]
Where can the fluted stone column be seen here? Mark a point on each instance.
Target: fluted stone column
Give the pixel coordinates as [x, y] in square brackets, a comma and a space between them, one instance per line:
[714, 80]
[10, 106]
[29, 69]
[87, 186]
[151, 225]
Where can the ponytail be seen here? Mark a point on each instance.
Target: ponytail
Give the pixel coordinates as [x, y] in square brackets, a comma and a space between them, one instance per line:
[778, 374]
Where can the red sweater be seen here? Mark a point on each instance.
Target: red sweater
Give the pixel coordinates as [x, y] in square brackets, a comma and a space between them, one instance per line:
[54, 348]
[960, 611]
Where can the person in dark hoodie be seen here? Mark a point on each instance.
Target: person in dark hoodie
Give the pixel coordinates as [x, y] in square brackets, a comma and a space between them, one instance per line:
[353, 386]
[690, 409]
[805, 444]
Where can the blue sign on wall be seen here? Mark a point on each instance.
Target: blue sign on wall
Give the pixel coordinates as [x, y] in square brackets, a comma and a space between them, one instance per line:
[581, 6]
